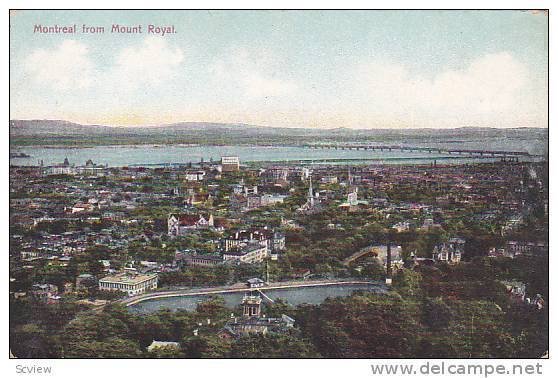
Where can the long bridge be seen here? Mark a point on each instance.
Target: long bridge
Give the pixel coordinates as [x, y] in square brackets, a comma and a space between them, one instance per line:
[439, 150]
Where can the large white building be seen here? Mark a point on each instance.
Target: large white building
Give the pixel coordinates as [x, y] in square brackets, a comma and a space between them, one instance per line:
[248, 254]
[230, 163]
[130, 282]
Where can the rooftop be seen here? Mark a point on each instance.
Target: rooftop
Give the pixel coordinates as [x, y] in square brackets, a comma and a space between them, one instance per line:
[128, 278]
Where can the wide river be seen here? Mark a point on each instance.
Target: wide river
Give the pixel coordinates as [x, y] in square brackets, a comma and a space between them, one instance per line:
[149, 155]
[294, 296]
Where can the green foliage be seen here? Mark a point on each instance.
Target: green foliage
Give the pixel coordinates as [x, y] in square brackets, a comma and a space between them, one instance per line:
[208, 346]
[109, 348]
[408, 282]
[272, 346]
[166, 352]
[436, 313]
[363, 325]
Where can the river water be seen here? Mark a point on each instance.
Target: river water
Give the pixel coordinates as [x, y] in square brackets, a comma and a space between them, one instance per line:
[294, 296]
[150, 155]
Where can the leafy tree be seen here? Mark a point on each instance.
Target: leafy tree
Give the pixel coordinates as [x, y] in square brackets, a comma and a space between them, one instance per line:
[208, 346]
[166, 352]
[272, 346]
[436, 313]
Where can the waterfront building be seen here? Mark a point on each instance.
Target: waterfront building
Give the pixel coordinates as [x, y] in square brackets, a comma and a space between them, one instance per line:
[230, 163]
[61, 169]
[91, 169]
[130, 282]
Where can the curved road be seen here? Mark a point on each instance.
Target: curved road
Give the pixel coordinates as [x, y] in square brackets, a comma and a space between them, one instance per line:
[238, 288]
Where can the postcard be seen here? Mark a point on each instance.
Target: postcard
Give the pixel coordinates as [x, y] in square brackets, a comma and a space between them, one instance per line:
[279, 184]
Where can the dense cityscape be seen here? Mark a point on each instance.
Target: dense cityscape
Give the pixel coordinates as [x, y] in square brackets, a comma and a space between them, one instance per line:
[435, 260]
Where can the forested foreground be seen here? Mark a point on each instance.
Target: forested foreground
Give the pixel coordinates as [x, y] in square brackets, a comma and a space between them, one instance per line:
[432, 312]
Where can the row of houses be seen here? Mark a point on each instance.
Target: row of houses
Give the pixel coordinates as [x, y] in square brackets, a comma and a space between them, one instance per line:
[514, 248]
[245, 246]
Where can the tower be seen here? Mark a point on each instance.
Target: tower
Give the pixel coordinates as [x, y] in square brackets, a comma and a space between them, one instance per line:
[251, 306]
[310, 193]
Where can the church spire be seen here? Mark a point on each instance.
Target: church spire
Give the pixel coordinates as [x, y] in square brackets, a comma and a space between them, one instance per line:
[310, 193]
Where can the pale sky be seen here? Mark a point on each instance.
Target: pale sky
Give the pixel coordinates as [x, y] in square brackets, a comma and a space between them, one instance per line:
[322, 69]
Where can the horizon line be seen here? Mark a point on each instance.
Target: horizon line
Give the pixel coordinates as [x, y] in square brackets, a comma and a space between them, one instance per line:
[275, 127]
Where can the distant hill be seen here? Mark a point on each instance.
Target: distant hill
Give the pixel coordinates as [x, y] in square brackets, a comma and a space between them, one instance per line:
[59, 132]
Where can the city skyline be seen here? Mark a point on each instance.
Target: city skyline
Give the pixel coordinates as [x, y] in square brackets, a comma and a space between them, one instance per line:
[317, 69]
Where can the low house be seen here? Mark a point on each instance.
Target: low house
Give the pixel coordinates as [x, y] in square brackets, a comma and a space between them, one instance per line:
[516, 290]
[449, 252]
[82, 207]
[85, 281]
[245, 190]
[271, 199]
[181, 224]
[329, 180]
[45, 292]
[194, 175]
[255, 283]
[163, 345]
[529, 248]
[198, 199]
[301, 274]
[195, 259]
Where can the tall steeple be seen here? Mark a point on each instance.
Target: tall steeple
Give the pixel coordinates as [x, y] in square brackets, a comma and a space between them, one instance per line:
[310, 193]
